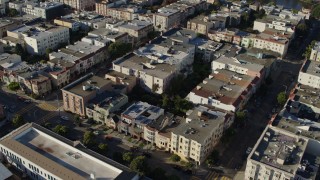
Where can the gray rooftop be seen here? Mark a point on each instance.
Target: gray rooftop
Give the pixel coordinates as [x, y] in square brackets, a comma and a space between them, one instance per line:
[316, 47]
[89, 82]
[280, 150]
[203, 121]
[238, 62]
[311, 67]
[136, 25]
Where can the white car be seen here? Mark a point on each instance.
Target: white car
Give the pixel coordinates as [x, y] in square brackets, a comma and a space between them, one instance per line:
[64, 118]
[96, 132]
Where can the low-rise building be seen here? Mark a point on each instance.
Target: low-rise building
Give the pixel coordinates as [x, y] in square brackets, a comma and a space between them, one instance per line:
[79, 57]
[69, 23]
[280, 154]
[225, 90]
[42, 154]
[38, 38]
[8, 25]
[35, 83]
[77, 94]
[59, 75]
[315, 52]
[231, 35]
[101, 107]
[129, 81]
[103, 37]
[137, 29]
[166, 19]
[310, 74]
[137, 116]
[79, 5]
[200, 24]
[196, 136]
[45, 10]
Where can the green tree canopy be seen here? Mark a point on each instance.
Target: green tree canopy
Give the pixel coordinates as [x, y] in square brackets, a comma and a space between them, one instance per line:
[19, 50]
[127, 157]
[139, 165]
[307, 53]
[118, 49]
[59, 129]
[158, 174]
[14, 86]
[316, 11]
[282, 98]
[48, 51]
[18, 121]
[88, 138]
[12, 12]
[103, 148]
[175, 158]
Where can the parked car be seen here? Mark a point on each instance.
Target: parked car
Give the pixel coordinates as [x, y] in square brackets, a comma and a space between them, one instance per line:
[27, 101]
[248, 151]
[96, 132]
[64, 118]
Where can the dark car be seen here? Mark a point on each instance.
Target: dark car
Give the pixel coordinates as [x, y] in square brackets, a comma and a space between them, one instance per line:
[146, 154]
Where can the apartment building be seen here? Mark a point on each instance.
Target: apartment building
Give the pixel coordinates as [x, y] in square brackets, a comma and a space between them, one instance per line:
[225, 90]
[309, 74]
[45, 10]
[137, 116]
[208, 49]
[79, 5]
[273, 40]
[200, 24]
[42, 154]
[315, 52]
[156, 64]
[79, 57]
[231, 35]
[129, 81]
[283, 155]
[38, 38]
[166, 19]
[8, 24]
[137, 29]
[103, 37]
[69, 23]
[77, 94]
[196, 136]
[35, 83]
[102, 106]
[59, 75]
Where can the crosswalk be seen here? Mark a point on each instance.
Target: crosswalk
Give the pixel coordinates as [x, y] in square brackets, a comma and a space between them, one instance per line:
[47, 107]
[211, 176]
[25, 109]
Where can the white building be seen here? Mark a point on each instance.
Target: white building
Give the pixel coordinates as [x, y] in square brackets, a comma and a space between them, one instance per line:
[155, 65]
[38, 39]
[283, 155]
[315, 52]
[42, 154]
[310, 74]
[202, 129]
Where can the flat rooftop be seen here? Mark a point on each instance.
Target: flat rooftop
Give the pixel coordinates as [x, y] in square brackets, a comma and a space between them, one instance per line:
[107, 99]
[86, 85]
[316, 46]
[225, 86]
[142, 112]
[280, 150]
[308, 95]
[311, 67]
[237, 62]
[136, 25]
[202, 121]
[60, 156]
[251, 55]
[107, 33]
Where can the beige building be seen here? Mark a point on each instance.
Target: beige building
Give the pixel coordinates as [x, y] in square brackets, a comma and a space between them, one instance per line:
[310, 74]
[315, 52]
[76, 95]
[200, 24]
[166, 19]
[78, 4]
[35, 83]
[118, 78]
[69, 23]
[59, 75]
[7, 25]
[137, 29]
[198, 134]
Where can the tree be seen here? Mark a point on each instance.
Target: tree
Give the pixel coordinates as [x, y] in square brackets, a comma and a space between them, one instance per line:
[282, 98]
[88, 138]
[139, 165]
[315, 13]
[14, 86]
[175, 158]
[127, 157]
[48, 51]
[165, 101]
[18, 121]
[189, 165]
[103, 148]
[240, 116]
[119, 49]
[117, 156]
[61, 130]
[12, 12]
[307, 53]
[19, 50]
[212, 158]
[77, 119]
[295, 11]
[302, 28]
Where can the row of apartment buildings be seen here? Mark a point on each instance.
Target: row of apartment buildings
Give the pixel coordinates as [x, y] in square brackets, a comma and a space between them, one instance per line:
[288, 147]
